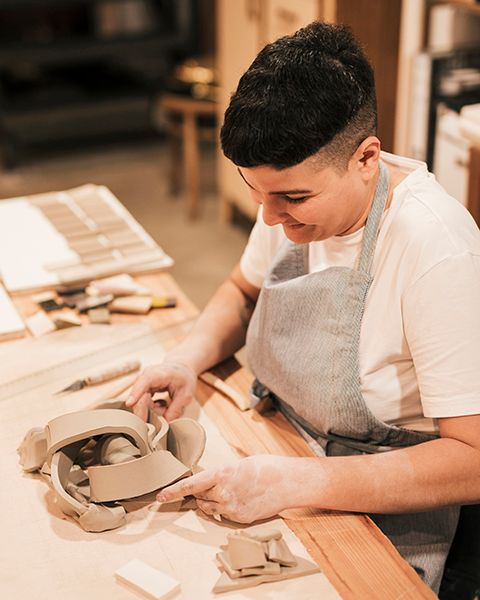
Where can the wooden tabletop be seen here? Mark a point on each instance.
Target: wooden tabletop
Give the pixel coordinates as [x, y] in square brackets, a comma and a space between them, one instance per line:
[358, 559]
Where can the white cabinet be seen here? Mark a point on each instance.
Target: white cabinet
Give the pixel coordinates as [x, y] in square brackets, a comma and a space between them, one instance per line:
[452, 151]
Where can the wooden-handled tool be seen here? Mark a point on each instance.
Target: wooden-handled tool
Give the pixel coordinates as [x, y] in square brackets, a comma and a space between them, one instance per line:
[241, 401]
[101, 377]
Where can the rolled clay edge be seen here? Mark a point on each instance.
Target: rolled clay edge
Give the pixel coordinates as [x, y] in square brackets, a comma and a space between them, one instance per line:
[72, 427]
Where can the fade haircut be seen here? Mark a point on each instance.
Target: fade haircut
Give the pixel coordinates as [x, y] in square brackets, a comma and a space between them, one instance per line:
[309, 93]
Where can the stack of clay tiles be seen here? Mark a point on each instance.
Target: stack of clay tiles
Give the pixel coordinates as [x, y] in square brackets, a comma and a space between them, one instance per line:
[258, 555]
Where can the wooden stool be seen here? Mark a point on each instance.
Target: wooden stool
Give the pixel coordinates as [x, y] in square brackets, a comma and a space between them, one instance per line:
[183, 115]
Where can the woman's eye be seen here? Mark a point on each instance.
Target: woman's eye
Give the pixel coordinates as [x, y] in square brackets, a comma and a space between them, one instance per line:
[295, 200]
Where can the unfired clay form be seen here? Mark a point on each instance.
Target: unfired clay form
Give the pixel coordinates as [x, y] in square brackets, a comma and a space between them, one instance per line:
[95, 456]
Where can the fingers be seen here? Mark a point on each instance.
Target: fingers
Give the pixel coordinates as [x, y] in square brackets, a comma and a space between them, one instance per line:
[142, 406]
[177, 405]
[209, 508]
[150, 380]
[188, 487]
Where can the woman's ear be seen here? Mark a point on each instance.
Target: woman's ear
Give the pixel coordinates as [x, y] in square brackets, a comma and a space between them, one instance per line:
[366, 156]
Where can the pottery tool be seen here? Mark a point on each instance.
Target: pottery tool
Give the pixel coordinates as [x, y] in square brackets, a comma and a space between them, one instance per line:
[102, 376]
[135, 305]
[118, 285]
[242, 402]
[89, 302]
[164, 302]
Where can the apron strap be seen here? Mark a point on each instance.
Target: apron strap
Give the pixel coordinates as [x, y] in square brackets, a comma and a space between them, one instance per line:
[372, 226]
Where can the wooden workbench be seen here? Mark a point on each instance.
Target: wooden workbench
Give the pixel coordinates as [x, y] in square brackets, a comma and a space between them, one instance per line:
[357, 558]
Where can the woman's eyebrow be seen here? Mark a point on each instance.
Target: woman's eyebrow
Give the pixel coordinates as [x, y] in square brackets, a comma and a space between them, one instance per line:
[279, 193]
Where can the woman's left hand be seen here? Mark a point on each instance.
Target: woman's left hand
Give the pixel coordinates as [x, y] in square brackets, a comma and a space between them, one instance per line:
[249, 489]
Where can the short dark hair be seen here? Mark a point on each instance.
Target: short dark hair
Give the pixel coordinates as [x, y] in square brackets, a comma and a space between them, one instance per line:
[310, 91]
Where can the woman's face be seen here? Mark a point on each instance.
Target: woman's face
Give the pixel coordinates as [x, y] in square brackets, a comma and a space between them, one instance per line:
[311, 203]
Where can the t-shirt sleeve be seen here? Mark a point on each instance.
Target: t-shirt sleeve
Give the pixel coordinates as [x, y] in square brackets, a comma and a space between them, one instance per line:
[441, 312]
[262, 245]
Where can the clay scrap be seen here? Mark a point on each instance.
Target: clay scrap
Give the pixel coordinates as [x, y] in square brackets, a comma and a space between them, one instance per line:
[259, 555]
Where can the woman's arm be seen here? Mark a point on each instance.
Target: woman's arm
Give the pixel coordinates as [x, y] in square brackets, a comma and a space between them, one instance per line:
[217, 334]
[429, 475]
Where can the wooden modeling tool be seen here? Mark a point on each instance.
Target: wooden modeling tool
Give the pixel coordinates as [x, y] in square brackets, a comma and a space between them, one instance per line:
[103, 376]
[242, 402]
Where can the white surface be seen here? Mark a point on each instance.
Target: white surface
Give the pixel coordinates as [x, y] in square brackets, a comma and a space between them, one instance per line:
[11, 323]
[420, 336]
[144, 578]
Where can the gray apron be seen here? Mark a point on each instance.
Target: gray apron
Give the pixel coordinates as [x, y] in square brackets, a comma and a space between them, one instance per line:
[303, 348]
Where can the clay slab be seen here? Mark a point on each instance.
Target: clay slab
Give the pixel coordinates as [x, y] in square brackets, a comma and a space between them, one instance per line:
[245, 552]
[304, 567]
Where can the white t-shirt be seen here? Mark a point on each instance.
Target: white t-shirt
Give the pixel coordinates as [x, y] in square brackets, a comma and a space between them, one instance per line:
[420, 335]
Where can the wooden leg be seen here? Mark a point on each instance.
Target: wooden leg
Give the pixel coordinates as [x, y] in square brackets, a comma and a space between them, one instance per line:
[191, 164]
[175, 167]
[473, 202]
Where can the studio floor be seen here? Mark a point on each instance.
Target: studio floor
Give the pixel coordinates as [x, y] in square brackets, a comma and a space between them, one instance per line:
[204, 250]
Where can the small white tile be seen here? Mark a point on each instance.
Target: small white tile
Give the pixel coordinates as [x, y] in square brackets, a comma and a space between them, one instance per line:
[147, 580]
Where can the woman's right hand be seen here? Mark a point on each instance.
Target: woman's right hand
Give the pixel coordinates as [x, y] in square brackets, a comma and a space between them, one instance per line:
[176, 378]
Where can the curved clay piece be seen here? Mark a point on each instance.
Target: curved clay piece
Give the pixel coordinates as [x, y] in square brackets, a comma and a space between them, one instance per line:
[134, 478]
[33, 449]
[84, 424]
[90, 516]
[186, 441]
[114, 449]
[159, 442]
[60, 466]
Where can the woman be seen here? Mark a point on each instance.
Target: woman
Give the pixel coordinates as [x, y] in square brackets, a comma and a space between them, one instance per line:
[360, 288]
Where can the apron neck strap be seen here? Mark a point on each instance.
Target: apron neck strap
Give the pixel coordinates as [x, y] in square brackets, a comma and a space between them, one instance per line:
[372, 225]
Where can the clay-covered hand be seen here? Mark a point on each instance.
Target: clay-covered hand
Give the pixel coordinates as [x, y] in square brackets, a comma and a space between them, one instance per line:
[174, 377]
[249, 489]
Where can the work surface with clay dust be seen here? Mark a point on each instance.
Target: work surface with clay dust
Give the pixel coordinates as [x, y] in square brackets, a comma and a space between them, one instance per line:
[45, 555]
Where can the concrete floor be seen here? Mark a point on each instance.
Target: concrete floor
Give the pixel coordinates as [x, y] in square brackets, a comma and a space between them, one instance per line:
[204, 250]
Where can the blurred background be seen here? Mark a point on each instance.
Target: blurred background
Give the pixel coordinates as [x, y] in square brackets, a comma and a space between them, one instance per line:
[131, 93]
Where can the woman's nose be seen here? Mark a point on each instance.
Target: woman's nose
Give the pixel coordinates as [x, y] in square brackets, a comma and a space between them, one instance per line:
[273, 212]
